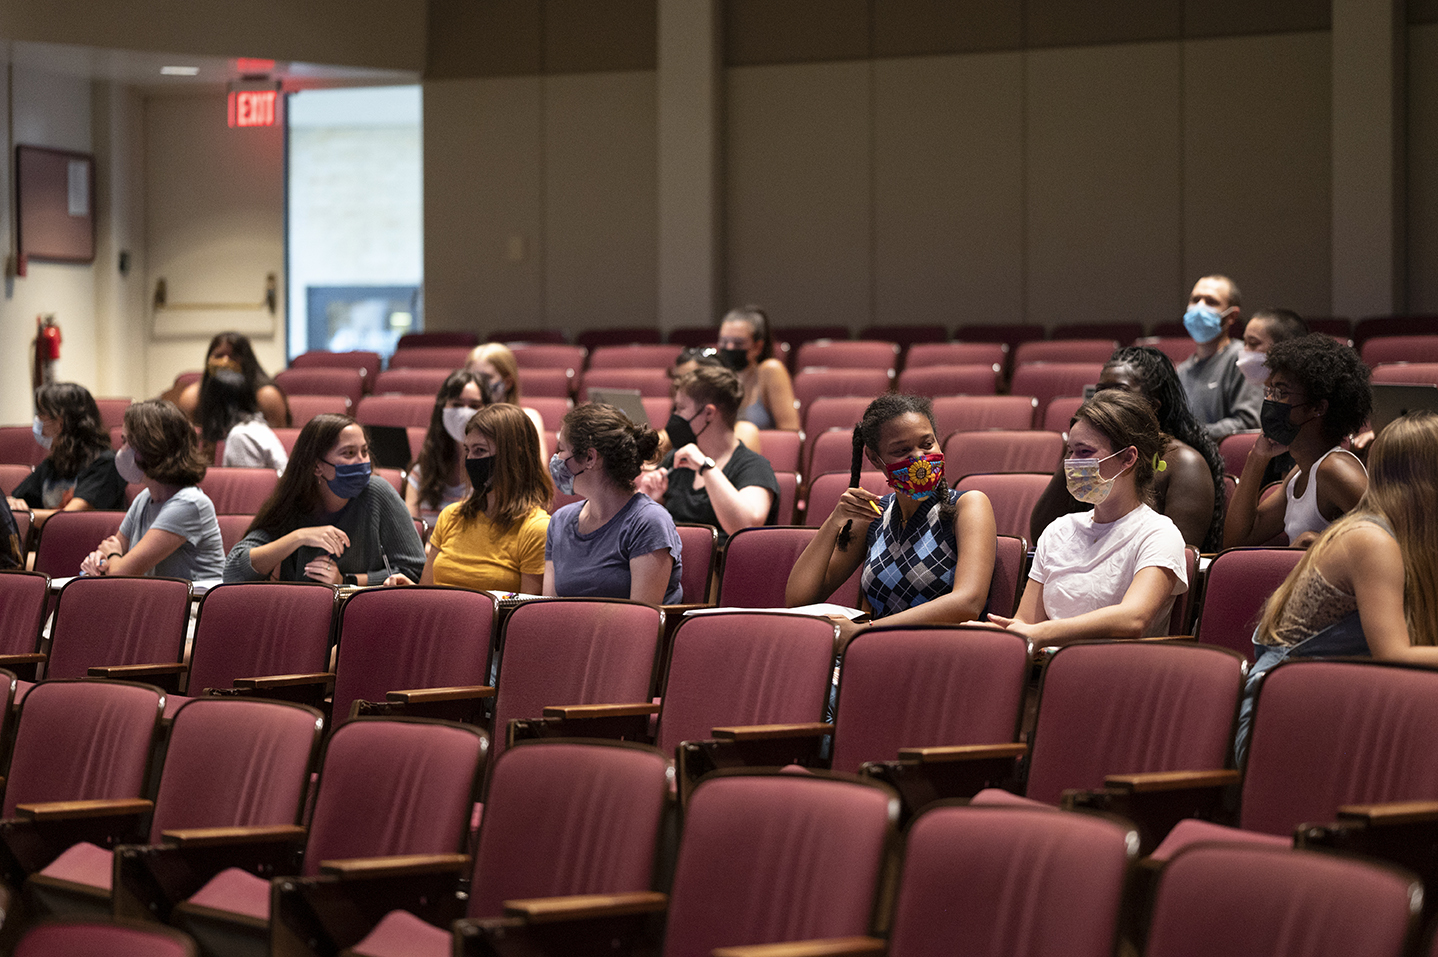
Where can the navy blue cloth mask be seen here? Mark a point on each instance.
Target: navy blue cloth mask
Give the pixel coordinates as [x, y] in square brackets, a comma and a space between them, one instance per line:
[350, 479]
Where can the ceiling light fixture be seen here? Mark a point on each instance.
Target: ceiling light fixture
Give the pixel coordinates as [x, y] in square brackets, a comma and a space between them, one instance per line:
[179, 70]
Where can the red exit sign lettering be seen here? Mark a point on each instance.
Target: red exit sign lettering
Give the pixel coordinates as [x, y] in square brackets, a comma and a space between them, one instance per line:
[252, 108]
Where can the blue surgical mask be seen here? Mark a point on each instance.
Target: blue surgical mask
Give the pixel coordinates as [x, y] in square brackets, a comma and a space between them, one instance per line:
[38, 428]
[1203, 322]
[563, 477]
[350, 478]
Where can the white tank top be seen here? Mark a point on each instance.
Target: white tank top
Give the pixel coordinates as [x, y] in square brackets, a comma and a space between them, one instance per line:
[1302, 514]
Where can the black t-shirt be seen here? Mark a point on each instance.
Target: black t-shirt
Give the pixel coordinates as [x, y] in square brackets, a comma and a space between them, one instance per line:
[744, 468]
[98, 483]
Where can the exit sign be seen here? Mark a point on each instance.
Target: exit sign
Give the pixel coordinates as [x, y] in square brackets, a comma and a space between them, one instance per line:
[252, 107]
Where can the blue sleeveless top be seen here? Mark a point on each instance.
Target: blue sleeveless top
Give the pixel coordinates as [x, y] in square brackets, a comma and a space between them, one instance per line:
[907, 565]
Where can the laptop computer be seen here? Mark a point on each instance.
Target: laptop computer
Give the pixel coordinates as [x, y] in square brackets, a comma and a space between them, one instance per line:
[625, 400]
[1394, 399]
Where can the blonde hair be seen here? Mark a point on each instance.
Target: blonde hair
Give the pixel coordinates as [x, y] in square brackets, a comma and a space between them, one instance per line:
[1402, 487]
[502, 358]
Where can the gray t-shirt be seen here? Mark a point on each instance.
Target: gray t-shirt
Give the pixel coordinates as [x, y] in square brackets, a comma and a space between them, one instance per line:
[1218, 394]
[190, 514]
[596, 565]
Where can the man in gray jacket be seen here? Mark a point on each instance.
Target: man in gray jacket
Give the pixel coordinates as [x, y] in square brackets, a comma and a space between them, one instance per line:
[1219, 395]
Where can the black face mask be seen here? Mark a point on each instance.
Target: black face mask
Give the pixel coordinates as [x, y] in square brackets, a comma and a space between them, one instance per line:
[681, 430]
[480, 470]
[1274, 418]
[735, 360]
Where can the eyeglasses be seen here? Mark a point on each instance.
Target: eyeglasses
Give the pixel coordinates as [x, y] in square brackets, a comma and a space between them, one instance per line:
[1280, 394]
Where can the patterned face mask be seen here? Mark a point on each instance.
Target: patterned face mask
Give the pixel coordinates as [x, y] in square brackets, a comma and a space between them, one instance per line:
[917, 478]
[1085, 483]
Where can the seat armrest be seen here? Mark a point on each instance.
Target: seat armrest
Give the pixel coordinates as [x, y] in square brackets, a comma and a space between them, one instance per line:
[589, 711]
[7, 661]
[285, 681]
[1151, 781]
[69, 810]
[217, 836]
[402, 865]
[548, 910]
[963, 752]
[452, 693]
[132, 672]
[827, 947]
[1392, 813]
[769, 732]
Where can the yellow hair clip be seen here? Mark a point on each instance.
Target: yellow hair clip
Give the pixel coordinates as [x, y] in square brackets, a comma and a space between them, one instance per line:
[1158, 464]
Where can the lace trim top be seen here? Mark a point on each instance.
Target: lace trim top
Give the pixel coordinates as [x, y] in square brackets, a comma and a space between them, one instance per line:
[1314, 604]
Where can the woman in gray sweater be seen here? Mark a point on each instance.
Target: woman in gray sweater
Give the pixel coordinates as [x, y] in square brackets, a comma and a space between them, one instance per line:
[330, 519]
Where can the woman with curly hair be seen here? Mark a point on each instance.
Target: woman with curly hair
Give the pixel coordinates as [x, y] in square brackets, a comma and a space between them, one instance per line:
[79, 473]
[437, 479]
[1112, 572]
[928, 552]
[1317, 394]
[1190, 490]
[170, 529]
[494, 539]
[618, 542]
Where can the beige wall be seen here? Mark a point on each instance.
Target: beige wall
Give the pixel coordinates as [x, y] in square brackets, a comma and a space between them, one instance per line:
[1422, 169]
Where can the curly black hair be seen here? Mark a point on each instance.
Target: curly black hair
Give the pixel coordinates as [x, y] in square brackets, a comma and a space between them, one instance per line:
[888, 406]
[1159, 381]
[1327, 369]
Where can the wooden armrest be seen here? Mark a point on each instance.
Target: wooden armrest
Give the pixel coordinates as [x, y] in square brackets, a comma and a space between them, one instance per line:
[451, 693]
[138, 671]
[962, 752]
[543, 910]
[215, 836]
[764, 732]
[1165, 638]
[675, 611]
[829, 947]
[1393, 812]
[68, 810]
[600, 710]
[285, 681]
[1170, 780]
[7, 661]
[400, 865]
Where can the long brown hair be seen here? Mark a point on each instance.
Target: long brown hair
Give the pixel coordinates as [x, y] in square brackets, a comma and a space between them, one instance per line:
[1402, 487]
[1126, 419]
[623, 445]
[519, 484]
[244, 355]
[82, 433]
[164, 442]
[297, 496]
[439, 452]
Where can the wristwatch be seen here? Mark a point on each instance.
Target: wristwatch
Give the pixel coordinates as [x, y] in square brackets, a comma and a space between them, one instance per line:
[706, 465]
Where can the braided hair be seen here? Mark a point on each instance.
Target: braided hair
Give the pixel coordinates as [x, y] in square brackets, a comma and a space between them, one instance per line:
[1159, 381]
[889, 406]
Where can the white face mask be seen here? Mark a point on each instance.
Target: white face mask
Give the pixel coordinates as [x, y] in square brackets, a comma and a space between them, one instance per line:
[455, 419]
[125, 464]
[38, 428]
[1253, 365]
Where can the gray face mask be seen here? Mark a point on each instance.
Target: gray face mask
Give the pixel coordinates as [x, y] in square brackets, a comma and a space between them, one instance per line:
[563, 477]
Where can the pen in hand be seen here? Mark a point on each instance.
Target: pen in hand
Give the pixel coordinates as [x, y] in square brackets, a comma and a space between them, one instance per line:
[388, 572]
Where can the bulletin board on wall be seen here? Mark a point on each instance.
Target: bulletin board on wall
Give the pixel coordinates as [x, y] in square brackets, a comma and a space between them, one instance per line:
[55, 204]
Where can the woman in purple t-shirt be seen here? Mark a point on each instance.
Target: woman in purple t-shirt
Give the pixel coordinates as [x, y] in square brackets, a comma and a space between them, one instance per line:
[618, 542]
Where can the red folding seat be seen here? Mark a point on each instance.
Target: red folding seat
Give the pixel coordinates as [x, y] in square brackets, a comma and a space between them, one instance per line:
[237, 491]
[634, 355]
[551, 409]
[1249, 901]
[994, 451]
[367, 362]
[1237, 587]
[104, 939]
[112, 411]
[18, 446]
[788, 496]
[830, 412]
[430, 357]
[1235, 448]
[920, 354]
[323, 381]
[825, 489]
[412, 380]
[387, 788]
[1064, 350]
[404, 411]
[12, 475]
[811, 384]
[781, 447]
[700, 543]
[1374, 326]
[24, 603]
[1414, 373]
[934, 381]
[1060, 413]
[653, 383]
[619, 336]
[1012, 494]
[560, 819]
[832, 451]
[1380, 349]
[306, 407]
[974, 413]
[228, 763]
[119, 628]
[848, 354]
[1045, 380]
[757, 562]
[1177, 347]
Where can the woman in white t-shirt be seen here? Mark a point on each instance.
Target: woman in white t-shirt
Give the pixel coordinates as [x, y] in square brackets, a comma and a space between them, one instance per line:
[1112, 572]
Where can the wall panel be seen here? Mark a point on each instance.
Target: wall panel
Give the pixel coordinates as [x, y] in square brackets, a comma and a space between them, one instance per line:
[798, 204]
[1257, 168]
[1422, 169]
[1103, 196]
[948, 189]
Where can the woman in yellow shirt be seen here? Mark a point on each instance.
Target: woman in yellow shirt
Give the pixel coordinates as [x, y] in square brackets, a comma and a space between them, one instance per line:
[494, 538]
